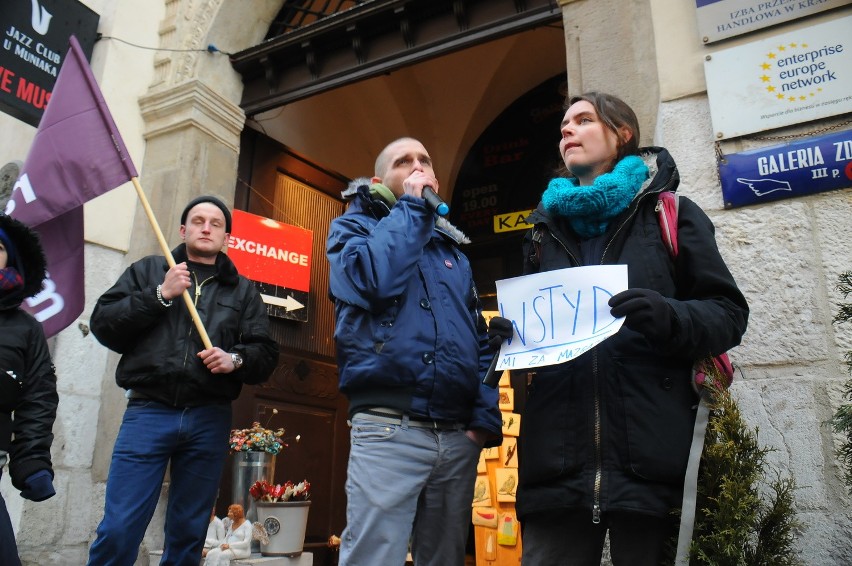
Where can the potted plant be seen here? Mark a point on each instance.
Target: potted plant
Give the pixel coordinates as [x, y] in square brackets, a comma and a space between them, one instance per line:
[282, 513]
[254, 450]
[257, 439]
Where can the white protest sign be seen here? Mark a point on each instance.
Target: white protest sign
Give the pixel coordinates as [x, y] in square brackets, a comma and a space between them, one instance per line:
[558, 315]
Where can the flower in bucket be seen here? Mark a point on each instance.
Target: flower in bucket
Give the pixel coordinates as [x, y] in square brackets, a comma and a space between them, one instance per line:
[262, 490]
[258, 438]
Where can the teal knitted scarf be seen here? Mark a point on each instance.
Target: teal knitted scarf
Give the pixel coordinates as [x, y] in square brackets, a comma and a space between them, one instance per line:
[589, 208]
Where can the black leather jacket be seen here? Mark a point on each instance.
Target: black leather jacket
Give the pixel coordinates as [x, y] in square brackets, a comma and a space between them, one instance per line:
[159, 344]
[611, 429]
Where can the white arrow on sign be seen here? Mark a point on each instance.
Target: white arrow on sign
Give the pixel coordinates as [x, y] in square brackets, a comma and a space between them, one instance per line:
[289, 303]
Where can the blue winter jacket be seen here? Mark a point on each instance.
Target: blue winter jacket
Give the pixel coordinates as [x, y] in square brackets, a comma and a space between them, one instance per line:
[410, 333]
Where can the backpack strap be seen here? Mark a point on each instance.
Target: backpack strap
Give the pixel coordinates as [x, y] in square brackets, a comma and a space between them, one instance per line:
[690, 484]
[667, 215]
[667, 209]
[535, 254]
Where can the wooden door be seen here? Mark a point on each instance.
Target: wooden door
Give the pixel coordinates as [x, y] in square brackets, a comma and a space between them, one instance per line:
[276, 183]
[309, 406]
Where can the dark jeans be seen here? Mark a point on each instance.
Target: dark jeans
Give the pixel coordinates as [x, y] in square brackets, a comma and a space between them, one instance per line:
[569, 538]
[194, 441]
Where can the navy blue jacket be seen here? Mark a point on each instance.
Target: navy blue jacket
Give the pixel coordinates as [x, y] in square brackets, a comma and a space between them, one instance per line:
[410, 333]
[611, 429]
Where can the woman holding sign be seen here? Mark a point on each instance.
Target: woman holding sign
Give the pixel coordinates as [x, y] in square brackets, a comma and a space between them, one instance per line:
[605, 437]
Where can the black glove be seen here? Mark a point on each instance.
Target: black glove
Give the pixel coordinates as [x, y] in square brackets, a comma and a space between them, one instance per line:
[646, 312]
[499, 329]
[39, 486]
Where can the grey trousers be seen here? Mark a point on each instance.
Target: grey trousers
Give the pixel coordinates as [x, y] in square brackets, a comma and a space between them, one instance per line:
[407, 484]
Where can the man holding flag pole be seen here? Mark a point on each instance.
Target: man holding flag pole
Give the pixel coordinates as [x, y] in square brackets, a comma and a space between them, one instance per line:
[179, 390]
[180, 385]
[77, 155]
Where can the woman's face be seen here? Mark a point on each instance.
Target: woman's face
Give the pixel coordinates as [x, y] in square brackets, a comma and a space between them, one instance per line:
[4, 256]
[587, 146]
[235, 512]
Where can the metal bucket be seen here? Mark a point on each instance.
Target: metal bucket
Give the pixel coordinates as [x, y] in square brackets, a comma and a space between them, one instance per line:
[250, 467]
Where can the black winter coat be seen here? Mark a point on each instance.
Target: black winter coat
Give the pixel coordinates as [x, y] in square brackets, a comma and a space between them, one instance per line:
[28, 396]
[27, 390]
[611, 429]
[159, 345]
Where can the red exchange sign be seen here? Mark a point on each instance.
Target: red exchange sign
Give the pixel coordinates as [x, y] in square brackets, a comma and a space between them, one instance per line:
[271, 252]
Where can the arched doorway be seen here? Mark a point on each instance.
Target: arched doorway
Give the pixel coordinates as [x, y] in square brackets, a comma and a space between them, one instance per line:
[447, 98]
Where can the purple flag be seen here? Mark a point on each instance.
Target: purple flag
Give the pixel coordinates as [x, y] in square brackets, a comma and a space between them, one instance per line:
[63, 297]
[77, 154]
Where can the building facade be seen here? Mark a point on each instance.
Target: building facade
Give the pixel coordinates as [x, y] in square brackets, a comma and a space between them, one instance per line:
[180, 109]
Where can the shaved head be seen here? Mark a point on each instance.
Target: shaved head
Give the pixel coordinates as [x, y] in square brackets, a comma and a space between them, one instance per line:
[383, 160]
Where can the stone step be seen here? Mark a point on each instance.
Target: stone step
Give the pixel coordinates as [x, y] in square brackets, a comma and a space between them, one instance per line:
[305, 559]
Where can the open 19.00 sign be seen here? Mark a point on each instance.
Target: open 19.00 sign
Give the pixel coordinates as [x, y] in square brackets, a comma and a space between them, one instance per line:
[277, 257]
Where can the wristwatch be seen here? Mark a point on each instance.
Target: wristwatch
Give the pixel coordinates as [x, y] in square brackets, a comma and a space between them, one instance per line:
[237, 360]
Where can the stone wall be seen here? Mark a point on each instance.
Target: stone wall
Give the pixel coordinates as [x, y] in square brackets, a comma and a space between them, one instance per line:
[786, 257]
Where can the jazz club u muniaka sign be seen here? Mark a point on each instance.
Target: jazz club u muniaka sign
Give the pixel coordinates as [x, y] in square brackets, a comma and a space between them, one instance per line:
[558, 315]
[277, 257]
[786, 79]
[33, 46]
[808, 166]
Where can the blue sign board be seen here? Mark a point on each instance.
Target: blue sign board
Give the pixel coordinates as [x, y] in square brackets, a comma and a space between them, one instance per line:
[805, 167]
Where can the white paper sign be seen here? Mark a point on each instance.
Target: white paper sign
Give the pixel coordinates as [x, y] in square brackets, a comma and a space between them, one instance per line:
[558, 315]
[787, 79]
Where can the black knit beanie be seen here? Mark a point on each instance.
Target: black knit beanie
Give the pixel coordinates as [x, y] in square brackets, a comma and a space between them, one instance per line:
[212, 200]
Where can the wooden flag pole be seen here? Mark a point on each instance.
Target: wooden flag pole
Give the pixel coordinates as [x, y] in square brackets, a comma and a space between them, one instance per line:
[205, 339]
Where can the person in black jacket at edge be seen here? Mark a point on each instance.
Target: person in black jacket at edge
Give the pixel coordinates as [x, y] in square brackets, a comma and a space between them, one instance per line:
[179, 393]
[28, 396]
[605, 437]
